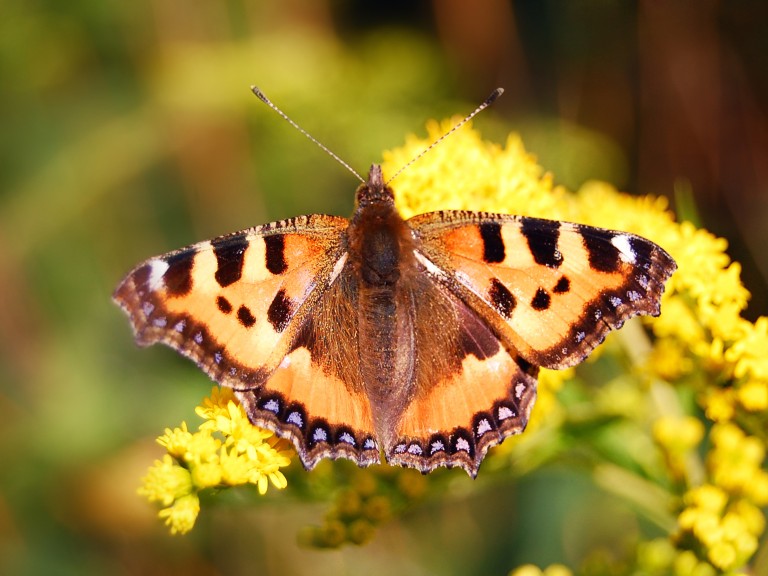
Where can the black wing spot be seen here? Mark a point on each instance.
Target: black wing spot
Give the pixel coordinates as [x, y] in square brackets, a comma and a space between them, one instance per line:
[563, 285]
[542, 237]
[280, 311]
[642, 249]
[493, 244]
[275, 254]
[229, 251]
[246, 318]
[224, 304]
[603, 255]
[541, 300]
[502, 299]
[178, 276]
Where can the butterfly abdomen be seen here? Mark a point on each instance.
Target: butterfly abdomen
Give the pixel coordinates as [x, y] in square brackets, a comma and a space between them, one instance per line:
[381, 257]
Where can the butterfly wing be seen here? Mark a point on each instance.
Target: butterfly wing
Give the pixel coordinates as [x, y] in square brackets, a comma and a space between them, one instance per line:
[551, 290]
[244, 307]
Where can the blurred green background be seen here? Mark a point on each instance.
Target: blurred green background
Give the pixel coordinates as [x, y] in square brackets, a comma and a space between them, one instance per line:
[128, 130]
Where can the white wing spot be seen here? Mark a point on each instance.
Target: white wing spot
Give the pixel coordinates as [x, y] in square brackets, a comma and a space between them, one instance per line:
[272, 405]
[198, 337]
[483, 426]
[160, 322]
[217, 357]
[579, 337]
[414, 449]
[437, 446]
[462, 444]
[519, 389]
[295, 418]
[369, 444]
[319, 435]
[615, 301]
[642, 279]
[400, 448]
[626, 253]
[180, 325]
[338, 267]
[147, 308]
[505, 413]
[157, 268]
[347, 438]
[633, 296]
[598, 314]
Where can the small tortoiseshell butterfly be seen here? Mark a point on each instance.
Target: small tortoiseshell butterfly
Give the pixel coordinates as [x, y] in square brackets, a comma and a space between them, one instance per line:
[421, 338]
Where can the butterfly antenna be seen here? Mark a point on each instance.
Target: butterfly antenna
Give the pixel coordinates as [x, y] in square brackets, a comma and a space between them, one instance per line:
[260, 95]
[487, 102]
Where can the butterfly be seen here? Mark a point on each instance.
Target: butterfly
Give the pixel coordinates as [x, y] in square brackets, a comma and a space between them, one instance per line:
[420, 339]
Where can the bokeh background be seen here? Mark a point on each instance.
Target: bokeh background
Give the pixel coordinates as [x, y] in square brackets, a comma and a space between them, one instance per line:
[128, 130]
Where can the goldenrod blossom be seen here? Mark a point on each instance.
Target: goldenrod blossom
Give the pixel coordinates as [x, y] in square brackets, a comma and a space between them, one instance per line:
[226, 450]
[703, 348]
[684, 401]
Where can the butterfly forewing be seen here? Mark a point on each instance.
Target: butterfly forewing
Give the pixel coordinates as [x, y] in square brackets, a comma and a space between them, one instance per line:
[551, 289]
[233, 304]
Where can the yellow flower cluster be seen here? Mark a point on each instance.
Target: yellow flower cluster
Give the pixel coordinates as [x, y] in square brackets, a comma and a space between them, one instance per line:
[225, 451]
[703, 350]
[551, 570]
[724, 514]
[703, 346]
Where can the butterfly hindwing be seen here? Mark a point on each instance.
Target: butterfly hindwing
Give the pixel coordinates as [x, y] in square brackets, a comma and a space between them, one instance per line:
[316, 396]
[470, 391]
[552, 289]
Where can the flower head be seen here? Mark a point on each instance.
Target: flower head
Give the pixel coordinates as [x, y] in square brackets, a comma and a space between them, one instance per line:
[225, 451]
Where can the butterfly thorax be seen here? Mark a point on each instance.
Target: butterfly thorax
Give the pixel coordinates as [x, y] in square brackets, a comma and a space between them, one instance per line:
[378, 236]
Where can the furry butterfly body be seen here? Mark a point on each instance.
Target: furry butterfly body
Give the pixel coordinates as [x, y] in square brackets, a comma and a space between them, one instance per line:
[420, 339]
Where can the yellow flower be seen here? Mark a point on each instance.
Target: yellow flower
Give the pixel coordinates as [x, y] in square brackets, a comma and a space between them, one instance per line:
[166, 481]
[753, 395]
[678, 434]
[464, 172]
[226, 450]
[532, 570]
[176, 441]
[181, 515]
[736, 458]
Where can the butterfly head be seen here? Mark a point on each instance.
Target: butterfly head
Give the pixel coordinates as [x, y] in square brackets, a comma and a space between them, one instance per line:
[374, 192]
